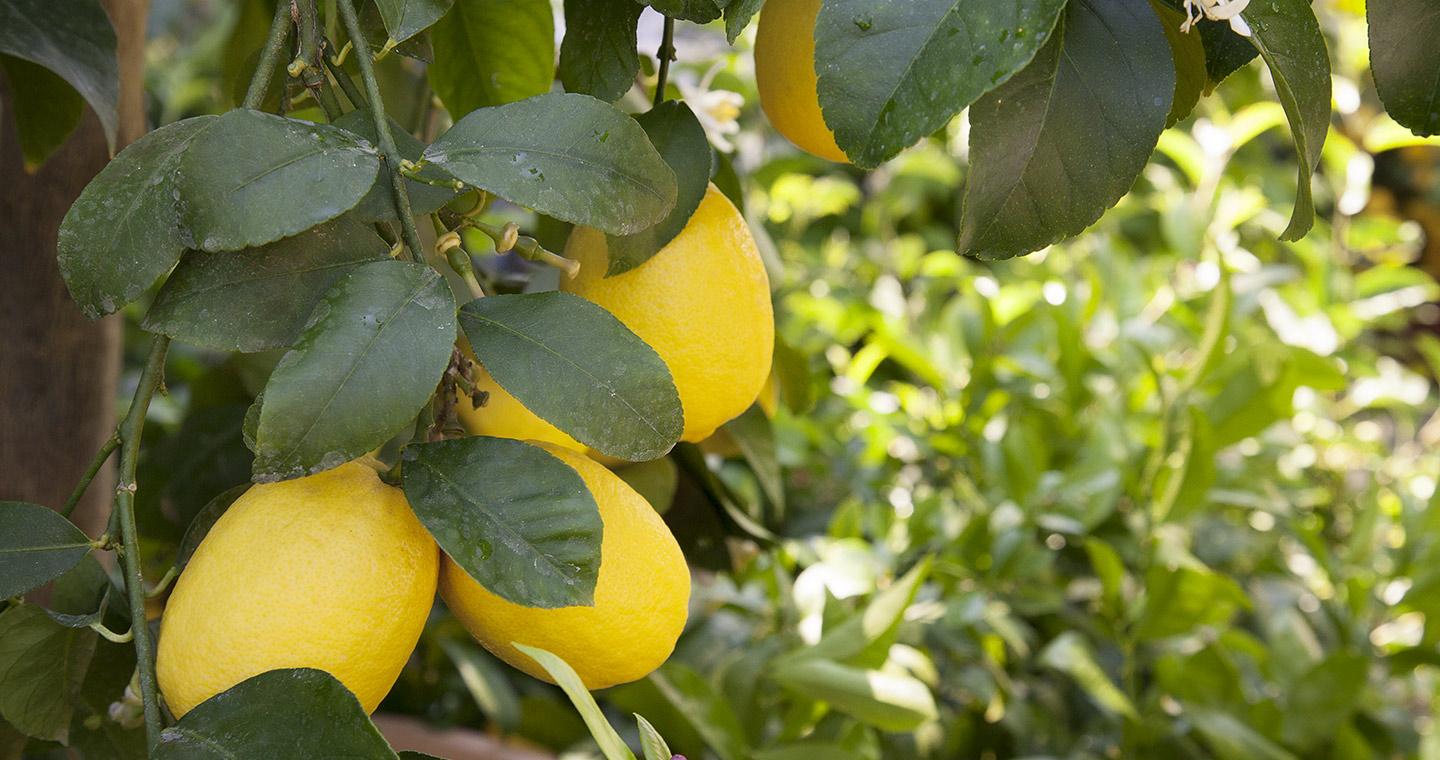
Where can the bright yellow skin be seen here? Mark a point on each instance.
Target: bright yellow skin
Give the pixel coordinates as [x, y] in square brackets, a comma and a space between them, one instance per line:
[703, 304]
[332, 571]
[641, 595]
[785, 76]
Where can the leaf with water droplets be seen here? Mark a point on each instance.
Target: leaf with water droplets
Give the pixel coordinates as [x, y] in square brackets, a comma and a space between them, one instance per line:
[565, 155]
[1405, 61]
[516, 518]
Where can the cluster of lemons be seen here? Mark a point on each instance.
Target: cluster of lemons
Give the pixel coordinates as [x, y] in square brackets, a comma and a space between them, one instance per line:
[334, 571]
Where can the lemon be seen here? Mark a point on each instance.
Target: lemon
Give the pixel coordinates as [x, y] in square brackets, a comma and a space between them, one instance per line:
[331, 571]
[641, 595]
[785, 76]
[503, 416]
[724, 445]
[703, 304]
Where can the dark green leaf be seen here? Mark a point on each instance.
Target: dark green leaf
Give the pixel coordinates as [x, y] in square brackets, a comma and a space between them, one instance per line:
[598, 56]
[36, 545]
[282, 713]
[406, 18]
[46, 108]
[656, 480]
[261, 298]
[72, 38]
[738, 14]
[698, 11]
[677, 134]
[1404, 60]
[755, 437]
[1063, 140]
[203, 521]
[565, 155]
[42, 665]
[1225, 51]
[578, 367]
[83, 587]
[1289, 39]
[519, 520]
[123, 233]
[379, 203]
[83, 619]
[888, 701]
[1188, 51]
[370, 358]
[252, 178]
[492, 52]
[1323, 699]
[892, 73]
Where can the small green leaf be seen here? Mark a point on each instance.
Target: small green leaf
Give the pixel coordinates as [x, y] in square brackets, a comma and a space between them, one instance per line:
[282, 713]
[1402, 56]
[892, 73]
[887, 701]
[738, 14]
[123, 233]
[37, 545]
[492, 52]
[42, 665]
[1289, 39]
[1070, 655]
[578, 367]
[406, 18]
[203, 521]
[611, 745]
[487, 683]
[260, 298]
[73, 39]
[569, 156]
[598, 56]
[651, 741]
[252, 178]
[46, 108]
[370, 358]
[697, 11]
[656, 480]
[519, 520]
[1061, 142]
[379, 203]
[677, 134]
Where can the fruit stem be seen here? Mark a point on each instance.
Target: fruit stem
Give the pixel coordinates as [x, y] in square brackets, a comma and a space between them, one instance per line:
[665, 54]
[101, 456]
[269, 56]
[530, 248]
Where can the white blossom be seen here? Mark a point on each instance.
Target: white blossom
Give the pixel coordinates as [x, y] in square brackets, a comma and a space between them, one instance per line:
[1217, 10]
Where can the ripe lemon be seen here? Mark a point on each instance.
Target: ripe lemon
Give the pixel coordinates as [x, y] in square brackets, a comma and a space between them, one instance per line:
[641, 595]
[503, 416]
[331, 571]
[703, 304]
[785, 76]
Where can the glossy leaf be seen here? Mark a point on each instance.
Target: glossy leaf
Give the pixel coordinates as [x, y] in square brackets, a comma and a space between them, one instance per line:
[123, 233]
[1061, 142]
[885, 700]
[492, 52]
[892, 73]
[1188, 51]
[379, 203]
[370, 358]
[738, 14]
[37, 545]
[1289, 39]
[598, 56]
[252, 178]
[281, 713]
[260, 298]
[611, 745]
[42, 665]
[73, 39]
[677, 134]
[1402, 56]
[406, 18]
[569, 156]
[46, 109]
[519, 520]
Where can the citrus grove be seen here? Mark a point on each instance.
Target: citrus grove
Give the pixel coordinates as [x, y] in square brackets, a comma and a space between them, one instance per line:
[437, 445]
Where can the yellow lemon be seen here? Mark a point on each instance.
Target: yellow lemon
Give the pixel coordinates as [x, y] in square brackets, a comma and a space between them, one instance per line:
[703, 304]
[331, 571]
[785, 76]
[503, 416]
[641, 595]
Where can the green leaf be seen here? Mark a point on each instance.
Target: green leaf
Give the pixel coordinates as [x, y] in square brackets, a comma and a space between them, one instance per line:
[1070, 655]
[755, 438]
[1289, 39]
[252, 178]
[1063, 140]
[492, 52]
[677, 134]
[46, 109]
[519, 520]
[73, 39]
[874, 629]
[1182, 599]
[37, 545]
[611, 745]
[1323, 699]
[887, 701]
[282, 713]
[123, 233]
[569, 156]
[42, 665]
[260, 298]
[698, 703]
[379, 203]
[1188, 51]
[487, 683]
[370, 358]
[738, 14]
[1403, 59]
[1230, 739]
[656, 480]
[892, 73]
[406, 18]
[203, 521]
[651, 741]
[598, 56]
[697, 11]
[578, 367]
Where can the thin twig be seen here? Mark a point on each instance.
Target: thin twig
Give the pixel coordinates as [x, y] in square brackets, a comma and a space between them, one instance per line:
[269, 57]
[666, 54]
[101, 456]
[310, 62]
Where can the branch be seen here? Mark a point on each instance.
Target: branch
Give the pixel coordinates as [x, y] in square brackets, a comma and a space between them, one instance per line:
[269, 56]
[310, 66]
[101, 456]
[666, 54]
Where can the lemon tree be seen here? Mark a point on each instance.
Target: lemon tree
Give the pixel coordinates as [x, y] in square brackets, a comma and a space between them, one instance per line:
[493, 299]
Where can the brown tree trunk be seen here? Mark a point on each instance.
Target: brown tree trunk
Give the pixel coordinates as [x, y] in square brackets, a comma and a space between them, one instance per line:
[58, 370]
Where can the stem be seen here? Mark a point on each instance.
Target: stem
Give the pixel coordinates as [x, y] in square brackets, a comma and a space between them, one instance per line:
[269, 56]
[130, 430]
[382, 130]
[312, 71]
[666, 54]
[111, 443]
[342, 78]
